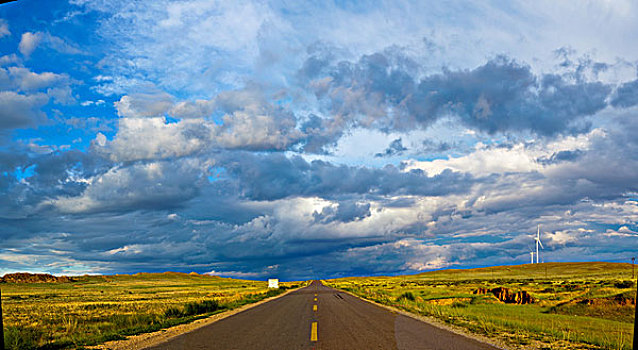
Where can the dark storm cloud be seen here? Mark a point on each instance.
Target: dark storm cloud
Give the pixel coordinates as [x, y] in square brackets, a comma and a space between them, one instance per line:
[503, 95]
[29, 179]
[395, 148]
[382, 91]
[626, 95]
[140, 186]
[344, 212]
[275, 176]
[561, 156]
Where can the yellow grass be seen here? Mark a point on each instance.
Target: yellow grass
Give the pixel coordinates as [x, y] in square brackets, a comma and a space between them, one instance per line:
[99, 308]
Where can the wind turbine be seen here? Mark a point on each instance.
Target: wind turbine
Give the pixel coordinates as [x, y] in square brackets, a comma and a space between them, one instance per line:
[538, 241]
[531, 254]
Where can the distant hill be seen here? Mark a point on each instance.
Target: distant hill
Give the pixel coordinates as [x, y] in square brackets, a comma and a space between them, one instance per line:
[25, 277]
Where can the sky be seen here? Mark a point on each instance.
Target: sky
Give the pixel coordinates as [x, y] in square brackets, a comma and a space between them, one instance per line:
[315, 139]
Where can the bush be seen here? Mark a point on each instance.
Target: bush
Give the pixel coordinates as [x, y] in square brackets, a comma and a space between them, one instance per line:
[624, 284]
[202, 307]
[406, 295]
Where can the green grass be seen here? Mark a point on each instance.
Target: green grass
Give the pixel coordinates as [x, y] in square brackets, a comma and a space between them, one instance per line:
[576, 304]
[96, 309]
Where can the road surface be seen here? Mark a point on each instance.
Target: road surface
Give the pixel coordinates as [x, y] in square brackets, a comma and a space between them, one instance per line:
[320, 317]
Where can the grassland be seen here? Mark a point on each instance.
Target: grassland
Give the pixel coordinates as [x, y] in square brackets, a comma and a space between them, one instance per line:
[575, 305]
[95, 309]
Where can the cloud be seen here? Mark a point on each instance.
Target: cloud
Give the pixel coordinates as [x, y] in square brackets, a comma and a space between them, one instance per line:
[144, 105]
[19, 111]
[482, 162]
[193, 109]
[250, 131]
[626, 95]
[274, 176]
[31, 40]
[395, 148]
[562, 156]
[4, 28]
[235, 274]
[243, 120]
[343, 212]
[623, 231]
[23, 93]
[499, 96]
[193, 46]
[154, 138]
[251, 122]
[149, 186]
[26, 80]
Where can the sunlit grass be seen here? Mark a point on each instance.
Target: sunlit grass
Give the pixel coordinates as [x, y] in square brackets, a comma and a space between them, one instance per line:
[100, 308]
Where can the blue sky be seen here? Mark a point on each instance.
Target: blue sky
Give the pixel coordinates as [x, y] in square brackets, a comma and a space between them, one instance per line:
[315, 139]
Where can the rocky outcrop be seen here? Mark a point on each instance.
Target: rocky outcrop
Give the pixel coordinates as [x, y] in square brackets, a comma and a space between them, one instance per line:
[507, 296]
[24, 277]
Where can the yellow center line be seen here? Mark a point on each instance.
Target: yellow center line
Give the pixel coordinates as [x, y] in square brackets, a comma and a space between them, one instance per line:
[315, 299]
[314, 308]
[313, 332]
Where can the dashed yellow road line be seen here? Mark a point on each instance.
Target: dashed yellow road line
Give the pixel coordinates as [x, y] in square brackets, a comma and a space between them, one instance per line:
[313, 332]
[314, 308]
[315, 299]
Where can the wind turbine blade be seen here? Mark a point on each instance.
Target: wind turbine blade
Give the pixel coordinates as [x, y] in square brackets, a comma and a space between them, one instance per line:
[541, 244]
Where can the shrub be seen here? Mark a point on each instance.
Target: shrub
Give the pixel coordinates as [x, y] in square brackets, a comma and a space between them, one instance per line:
[202, 307]
[406, 295]
[624, 284]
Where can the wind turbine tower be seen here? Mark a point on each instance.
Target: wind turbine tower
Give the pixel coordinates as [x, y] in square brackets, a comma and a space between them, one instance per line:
[538, 241]
[531, 254]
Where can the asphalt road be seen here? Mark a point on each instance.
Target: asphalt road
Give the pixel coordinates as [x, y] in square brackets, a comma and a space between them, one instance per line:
[320, 317]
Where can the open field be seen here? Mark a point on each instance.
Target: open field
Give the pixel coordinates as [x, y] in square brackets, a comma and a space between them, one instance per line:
[94, 309]
[566, 305]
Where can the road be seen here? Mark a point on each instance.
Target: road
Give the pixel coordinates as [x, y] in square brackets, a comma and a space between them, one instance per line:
[320, 317]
